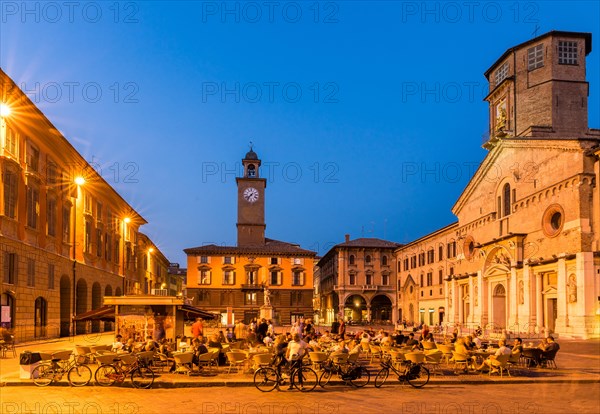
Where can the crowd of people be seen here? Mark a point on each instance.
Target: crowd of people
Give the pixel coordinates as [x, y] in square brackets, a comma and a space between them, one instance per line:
[302, 337]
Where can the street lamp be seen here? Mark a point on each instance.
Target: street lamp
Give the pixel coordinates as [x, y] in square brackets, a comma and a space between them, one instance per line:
[79, 181]
[4, 110]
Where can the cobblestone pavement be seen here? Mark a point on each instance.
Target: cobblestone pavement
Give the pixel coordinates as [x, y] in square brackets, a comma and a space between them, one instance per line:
[445, 399]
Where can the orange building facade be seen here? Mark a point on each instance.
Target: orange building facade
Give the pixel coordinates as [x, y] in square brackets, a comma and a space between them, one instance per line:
[67, 238]
[232, 280]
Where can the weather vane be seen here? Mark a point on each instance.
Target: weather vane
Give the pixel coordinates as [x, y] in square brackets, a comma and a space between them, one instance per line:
[251, 145]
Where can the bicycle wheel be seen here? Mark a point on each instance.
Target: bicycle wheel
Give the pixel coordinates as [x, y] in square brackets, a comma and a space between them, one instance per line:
[43, 375]
[324, 378]
[142, 377]
[362, 377]
[79, 375]
[417, 376]
[305, 379]
[106, 375]
[265, 379]
[381, 377]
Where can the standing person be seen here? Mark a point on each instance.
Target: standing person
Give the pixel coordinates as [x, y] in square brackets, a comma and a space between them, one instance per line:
[296, 349]
[271, 329]
[197, 328]
[262, 329]
[342, 328]
[240, 330]
[335, 327]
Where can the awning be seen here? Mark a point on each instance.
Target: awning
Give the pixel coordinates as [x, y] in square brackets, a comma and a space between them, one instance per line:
[105, 313]
[193, 311]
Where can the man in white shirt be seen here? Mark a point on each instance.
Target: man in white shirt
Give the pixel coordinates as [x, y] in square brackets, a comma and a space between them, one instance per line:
[490, 361]
[117, 345]
[295, 351]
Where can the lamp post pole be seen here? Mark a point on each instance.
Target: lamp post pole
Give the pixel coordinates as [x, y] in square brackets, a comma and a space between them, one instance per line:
[126, 221]
[79, 181]
[74, 265]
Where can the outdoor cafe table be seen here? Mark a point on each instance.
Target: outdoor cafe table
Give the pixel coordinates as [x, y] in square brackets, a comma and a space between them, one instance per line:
[533, 354]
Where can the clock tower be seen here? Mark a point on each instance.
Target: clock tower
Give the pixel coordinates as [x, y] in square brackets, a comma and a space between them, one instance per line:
[251, 203]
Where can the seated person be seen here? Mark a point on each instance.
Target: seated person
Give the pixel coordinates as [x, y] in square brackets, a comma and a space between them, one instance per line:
[502, 350]
[340, 347]
[386, 340]
[151, 344]
[399, 338]
[183, 344]
[325, 338]
[165, 348]
[550, 349]
[411, 340]
[517, 346]
[118, 344]
[214, 342]
[268, 341]
[129, 346]
[230, 335]
[469, 343]
[477, 341]
[222, 338]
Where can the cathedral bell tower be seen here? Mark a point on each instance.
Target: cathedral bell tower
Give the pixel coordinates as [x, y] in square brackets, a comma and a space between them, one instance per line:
[251, 203]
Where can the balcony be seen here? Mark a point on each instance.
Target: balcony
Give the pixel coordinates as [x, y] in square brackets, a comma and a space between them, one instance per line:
[369, 287]
[159, 292]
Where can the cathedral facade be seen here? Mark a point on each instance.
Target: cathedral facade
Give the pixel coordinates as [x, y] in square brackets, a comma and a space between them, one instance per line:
[524, 254]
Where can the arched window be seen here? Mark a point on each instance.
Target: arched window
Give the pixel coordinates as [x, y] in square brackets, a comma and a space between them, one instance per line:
[384, 260]
[351, 259]
[367, 259]
[506, 200]
[251, 171]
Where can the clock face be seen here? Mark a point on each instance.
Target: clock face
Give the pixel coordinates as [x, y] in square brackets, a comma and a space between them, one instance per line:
[251, 194]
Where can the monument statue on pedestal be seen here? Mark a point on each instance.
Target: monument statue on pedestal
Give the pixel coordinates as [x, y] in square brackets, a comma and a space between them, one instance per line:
[266, 310]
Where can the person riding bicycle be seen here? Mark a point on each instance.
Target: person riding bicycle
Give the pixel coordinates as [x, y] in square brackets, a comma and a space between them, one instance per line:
[295, 352]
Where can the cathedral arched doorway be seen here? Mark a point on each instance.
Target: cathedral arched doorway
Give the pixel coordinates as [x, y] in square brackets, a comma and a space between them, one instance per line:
[499, 306]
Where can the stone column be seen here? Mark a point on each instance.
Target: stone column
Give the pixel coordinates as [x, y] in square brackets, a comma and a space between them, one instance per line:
[528, 307]
[562, 319]
[539, 301]
[471, 318]
[513, 300]
[480, 293]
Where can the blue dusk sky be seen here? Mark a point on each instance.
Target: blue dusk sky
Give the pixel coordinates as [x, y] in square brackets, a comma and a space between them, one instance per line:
[368, 116]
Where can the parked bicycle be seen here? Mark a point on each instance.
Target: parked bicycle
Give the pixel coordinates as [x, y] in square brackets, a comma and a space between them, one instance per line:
[414, 373]
[139, 372]
[78, 374]
[301, 377]
[350, 372]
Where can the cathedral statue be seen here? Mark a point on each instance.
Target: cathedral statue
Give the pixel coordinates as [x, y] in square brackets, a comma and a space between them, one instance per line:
[267, 296]
[572, 289]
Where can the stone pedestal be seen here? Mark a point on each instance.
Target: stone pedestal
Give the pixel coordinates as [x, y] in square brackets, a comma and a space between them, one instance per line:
[266, 311]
